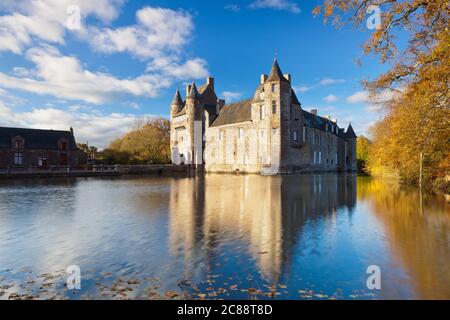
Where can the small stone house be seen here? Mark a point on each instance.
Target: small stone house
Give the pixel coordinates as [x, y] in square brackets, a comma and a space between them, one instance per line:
[33, 148]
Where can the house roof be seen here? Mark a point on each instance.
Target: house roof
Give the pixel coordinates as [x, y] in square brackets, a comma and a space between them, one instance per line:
[36, 138]
[234, 113]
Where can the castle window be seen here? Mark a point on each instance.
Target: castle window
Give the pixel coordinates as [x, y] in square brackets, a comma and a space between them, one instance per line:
[274, 131]
[221, 135]
[43, 162]
[295, 135]
[313, 138]
[274, 107]
[320, 157]
[326, 128]
[262, 133]
[240, 133]
[18, 159]
[274, 87]
[315, 157]
[304, 133]
[262, 112]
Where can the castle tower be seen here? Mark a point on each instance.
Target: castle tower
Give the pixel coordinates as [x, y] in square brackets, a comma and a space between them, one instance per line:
[277, 103]
[176, 105]
[350, 138]
[194, 114]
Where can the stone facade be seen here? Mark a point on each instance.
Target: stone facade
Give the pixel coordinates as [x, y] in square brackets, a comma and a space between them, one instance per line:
[268, 134]
[32, 148]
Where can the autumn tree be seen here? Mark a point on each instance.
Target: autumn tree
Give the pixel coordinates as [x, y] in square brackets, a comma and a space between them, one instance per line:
[416, 125]
[147, 143]
[362, 153]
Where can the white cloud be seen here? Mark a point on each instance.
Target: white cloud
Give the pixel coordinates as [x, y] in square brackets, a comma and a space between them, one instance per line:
[330, 81]
[373, 103]
[45, 20]
[77, 83]
[331, 98]
[157, 32]
[286, 5]
[230, 96]
[170, 67]
[302, 89]
[89, 124]
[358, 97]
[233, 7]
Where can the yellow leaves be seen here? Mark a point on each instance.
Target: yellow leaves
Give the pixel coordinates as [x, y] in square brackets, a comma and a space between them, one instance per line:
[147, 143]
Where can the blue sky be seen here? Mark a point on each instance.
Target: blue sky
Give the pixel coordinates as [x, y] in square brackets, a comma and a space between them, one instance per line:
[126, 59]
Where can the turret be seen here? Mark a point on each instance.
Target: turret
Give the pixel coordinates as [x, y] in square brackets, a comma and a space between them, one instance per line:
[350, 133]
[351, 137]
[193, 92]
[177, 103]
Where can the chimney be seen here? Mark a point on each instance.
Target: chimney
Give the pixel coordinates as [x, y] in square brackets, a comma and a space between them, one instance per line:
[210, 81]
[263, 78]
[288, 76]
[71, 130]
[188, 89]
[220, 103]
[314, 111]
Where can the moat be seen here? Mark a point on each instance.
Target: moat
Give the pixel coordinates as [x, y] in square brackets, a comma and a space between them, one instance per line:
[222, 237]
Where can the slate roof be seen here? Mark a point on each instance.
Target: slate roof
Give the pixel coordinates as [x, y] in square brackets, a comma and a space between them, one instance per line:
[276, 74]
[193, 94]
[177, 101]
[317, 122]
[36, 138]
[234, 113]
[350, 134]
[294, 98]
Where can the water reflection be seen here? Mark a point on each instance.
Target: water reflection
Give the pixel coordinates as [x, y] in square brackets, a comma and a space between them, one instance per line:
[302, 233]
[264, 214]
[418, 228]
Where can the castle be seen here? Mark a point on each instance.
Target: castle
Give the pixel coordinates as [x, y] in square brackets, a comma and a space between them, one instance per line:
[268, 134]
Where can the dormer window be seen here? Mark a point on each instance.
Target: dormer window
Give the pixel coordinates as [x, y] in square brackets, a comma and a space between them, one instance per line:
[274, 87]
[18, 143]
[63, 145]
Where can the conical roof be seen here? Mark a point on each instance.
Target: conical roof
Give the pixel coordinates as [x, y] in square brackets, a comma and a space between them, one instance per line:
[177, 100]
[276, 74]
[350, 133]
[193, 94]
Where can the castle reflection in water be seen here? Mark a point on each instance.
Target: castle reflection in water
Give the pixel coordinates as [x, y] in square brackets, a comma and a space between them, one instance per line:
[266, 215]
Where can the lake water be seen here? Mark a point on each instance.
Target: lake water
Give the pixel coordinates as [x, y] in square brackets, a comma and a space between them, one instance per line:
[222, 237]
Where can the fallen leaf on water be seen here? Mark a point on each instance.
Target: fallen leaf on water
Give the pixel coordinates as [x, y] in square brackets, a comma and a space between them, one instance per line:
[171, 294]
